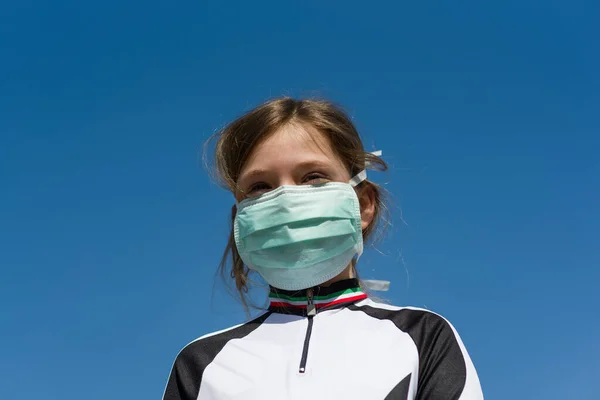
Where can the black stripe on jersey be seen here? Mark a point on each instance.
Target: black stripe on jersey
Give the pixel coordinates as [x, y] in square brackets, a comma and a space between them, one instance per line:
[400, 392]
[442, 369]
[185, 378]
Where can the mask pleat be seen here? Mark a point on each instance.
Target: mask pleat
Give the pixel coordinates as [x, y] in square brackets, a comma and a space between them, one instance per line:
[292, 207]
[298, 232]
[299, 255]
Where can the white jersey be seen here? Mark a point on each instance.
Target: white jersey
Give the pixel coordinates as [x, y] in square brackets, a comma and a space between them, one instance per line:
[331, 343]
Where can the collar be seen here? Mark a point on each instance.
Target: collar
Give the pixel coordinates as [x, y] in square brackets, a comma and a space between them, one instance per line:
[338, 295]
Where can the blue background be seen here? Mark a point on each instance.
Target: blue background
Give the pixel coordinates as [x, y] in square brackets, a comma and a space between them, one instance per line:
[111, 232]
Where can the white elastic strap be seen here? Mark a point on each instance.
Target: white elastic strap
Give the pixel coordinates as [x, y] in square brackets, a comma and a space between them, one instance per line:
[358, 178]
[376, 285]
[362, 175]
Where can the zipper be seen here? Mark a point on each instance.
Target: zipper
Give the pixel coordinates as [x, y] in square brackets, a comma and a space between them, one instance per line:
[311, 311]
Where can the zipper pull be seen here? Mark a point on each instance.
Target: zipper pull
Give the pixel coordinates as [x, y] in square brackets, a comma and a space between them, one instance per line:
[311, 310]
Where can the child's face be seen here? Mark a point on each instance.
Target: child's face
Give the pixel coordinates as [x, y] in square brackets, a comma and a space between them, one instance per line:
[296, 155]
[292, 156]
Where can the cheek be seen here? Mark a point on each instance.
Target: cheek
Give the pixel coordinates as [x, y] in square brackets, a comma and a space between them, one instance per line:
[341, 174]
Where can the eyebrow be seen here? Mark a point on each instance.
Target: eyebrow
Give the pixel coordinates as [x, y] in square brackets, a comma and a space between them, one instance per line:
[252, 174]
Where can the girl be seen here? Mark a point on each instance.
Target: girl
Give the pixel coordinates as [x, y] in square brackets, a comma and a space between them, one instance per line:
[304, 208]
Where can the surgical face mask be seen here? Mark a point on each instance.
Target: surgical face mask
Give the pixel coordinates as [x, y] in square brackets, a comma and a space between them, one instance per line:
[297, 237]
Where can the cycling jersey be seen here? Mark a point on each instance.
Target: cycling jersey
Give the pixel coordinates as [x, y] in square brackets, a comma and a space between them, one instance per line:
[331, 343]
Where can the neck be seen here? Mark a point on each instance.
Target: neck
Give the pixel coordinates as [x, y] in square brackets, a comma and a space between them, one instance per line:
[348, 273]
[336, 295]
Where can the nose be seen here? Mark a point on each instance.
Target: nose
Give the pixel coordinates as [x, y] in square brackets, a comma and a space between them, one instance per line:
[287, 180]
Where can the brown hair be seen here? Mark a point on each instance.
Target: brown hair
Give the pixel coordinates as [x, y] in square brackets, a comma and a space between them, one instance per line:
[235, 142]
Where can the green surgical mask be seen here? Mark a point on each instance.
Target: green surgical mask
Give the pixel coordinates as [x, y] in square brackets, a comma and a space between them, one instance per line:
[297, 237]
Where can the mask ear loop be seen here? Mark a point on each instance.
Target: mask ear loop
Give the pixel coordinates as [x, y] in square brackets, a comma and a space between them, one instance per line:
[362, 175]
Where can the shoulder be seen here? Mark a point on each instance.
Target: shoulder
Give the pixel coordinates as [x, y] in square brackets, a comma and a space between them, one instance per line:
[210, 344]
[412, 320]
[433, 335]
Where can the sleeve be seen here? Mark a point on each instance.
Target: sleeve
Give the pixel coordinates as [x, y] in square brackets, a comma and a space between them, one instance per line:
[445, 368]
[186, 375]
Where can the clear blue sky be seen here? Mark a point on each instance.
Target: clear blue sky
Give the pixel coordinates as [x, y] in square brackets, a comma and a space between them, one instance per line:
[110, 231]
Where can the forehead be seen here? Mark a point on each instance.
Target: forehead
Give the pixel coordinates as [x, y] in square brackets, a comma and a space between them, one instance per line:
[291, 145]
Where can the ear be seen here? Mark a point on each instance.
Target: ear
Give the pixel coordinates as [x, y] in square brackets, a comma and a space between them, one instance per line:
[366, 198]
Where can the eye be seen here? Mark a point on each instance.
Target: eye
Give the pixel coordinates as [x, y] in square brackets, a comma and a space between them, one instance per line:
[257, 189]
[315, 178]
